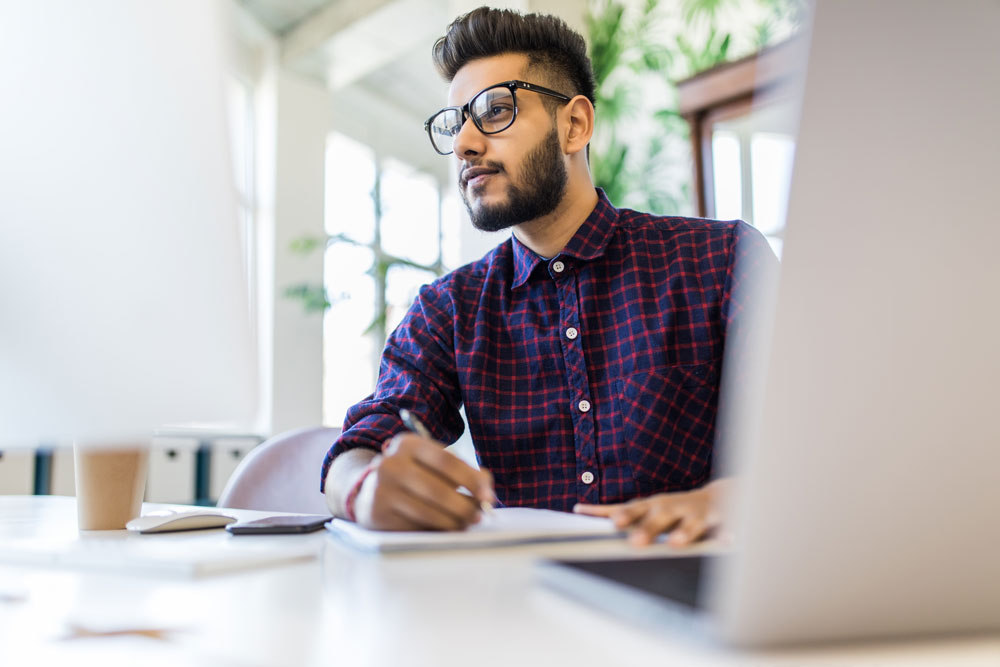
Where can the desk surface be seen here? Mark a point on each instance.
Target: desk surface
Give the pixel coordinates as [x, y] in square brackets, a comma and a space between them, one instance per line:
[348, 608]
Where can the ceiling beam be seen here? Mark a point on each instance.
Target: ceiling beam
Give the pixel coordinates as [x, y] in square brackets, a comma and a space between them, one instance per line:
[382, 37]
[311, 34]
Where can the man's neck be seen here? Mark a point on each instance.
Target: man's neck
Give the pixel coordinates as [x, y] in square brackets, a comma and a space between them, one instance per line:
[547, 235]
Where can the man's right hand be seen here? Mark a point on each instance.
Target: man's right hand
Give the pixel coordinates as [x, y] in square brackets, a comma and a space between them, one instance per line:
[414, 486]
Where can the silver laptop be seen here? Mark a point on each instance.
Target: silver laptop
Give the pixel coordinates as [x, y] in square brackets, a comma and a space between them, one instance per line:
[869, 495]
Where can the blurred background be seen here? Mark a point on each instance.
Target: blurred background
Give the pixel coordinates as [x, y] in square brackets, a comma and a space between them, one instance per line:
[345, 209]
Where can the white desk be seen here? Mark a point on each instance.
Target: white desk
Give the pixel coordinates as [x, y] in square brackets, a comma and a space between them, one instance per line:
[347, 608]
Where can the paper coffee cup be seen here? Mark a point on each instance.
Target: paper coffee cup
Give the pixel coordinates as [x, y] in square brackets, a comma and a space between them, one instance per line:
[110, 483]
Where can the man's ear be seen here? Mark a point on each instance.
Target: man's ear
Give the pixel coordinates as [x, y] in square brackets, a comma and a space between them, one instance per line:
[578, 115]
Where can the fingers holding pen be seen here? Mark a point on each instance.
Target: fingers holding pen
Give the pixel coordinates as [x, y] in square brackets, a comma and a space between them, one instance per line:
[452, 469]
[432, 484]
[478, 482]
[416, 487]
[413, 511]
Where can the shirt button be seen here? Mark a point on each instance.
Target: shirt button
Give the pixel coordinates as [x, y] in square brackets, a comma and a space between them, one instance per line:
[572, 333]
[584, 405]
[587, 477]
[558, 266]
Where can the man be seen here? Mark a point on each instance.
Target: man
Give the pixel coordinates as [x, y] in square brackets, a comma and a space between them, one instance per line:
[586, 349]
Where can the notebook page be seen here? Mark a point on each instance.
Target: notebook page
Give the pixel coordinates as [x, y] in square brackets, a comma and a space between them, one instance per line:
[506, 526]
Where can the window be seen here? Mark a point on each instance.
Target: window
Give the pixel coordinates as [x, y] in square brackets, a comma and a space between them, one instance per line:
[742, 116]
[411, 231]
[726, 175]
[349, 353]
[390, 230]
[751, 172]
[771, 155]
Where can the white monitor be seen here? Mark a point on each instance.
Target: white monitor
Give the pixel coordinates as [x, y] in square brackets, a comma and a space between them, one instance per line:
[123, 299]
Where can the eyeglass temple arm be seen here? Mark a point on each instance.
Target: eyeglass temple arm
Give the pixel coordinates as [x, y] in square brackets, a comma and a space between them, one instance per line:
[541, 89]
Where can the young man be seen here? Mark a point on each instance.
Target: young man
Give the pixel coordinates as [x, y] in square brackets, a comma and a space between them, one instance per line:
[586, 349]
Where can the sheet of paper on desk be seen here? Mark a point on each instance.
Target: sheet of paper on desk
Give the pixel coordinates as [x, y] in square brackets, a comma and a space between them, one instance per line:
[507, 526]
[188, 555]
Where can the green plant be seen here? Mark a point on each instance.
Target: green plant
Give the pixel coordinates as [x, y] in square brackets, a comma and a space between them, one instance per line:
[316, 299]
[622, 48]
[638, 144]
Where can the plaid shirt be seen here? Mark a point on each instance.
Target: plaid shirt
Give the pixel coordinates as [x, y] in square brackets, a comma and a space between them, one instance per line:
[591, 377]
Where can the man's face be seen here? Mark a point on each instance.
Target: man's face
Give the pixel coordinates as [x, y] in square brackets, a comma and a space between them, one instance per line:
[516, 175]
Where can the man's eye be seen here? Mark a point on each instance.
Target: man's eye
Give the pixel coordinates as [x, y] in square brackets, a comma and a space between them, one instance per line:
[496, 111]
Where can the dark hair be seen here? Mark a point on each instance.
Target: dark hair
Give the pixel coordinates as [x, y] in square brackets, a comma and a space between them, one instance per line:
[549, 43]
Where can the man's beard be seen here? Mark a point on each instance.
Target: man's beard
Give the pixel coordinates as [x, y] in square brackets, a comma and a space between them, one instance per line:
[544, 177]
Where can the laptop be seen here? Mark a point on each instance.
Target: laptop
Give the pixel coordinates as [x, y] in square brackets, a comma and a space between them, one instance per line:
[868, 501]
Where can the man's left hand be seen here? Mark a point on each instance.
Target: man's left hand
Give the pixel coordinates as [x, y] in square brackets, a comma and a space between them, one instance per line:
[688, 515]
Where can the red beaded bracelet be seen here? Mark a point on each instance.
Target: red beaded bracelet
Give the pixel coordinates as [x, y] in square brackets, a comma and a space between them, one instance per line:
[352, 495]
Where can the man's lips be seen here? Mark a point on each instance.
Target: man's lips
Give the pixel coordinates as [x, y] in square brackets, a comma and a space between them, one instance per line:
[472, 175]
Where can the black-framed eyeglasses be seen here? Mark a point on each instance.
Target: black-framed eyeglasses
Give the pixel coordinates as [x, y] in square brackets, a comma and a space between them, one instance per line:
[492, 109]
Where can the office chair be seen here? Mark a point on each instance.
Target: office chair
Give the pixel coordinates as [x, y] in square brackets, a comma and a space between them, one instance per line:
[282, 474]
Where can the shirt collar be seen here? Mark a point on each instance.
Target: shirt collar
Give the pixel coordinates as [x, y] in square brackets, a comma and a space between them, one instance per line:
[589, 241]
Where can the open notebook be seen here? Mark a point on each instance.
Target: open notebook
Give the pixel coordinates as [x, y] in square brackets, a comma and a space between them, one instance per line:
[506, 526]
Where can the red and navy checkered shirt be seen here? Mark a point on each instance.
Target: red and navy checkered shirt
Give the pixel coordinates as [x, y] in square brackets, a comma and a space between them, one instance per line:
[591, 377]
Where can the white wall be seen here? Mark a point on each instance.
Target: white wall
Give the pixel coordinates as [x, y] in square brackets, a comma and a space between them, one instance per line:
[302, 122]
[291, 119]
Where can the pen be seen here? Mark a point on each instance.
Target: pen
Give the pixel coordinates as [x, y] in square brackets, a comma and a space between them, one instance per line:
[411, 422]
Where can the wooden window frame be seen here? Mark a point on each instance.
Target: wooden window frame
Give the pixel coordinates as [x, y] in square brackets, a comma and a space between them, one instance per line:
[729, 91]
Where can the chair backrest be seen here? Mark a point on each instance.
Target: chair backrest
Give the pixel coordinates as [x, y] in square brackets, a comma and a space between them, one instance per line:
[282, 474]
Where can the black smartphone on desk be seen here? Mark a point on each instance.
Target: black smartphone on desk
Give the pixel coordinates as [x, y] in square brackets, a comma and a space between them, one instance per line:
[277, 525]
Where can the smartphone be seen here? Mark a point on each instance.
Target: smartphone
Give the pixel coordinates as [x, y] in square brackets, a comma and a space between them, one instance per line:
[274, 525]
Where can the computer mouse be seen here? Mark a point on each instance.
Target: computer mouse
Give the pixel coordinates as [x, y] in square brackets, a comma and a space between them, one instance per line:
[165, 521]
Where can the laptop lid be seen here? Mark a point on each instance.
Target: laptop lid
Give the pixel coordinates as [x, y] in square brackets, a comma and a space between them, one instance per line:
[868, 504]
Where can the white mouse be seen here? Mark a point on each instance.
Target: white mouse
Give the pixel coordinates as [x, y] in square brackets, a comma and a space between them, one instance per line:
[164, 521]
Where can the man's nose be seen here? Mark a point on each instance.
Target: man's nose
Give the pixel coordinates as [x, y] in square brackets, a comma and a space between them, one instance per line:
[469, 141]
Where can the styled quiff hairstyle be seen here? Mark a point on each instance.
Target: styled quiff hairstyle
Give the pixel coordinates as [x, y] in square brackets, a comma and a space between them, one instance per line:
[551, 46]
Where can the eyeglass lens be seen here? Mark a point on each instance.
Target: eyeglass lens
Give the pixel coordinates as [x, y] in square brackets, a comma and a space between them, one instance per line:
[492, 111]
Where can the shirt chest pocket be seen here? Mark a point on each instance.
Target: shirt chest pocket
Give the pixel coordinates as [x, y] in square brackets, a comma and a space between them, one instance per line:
[667, 420]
